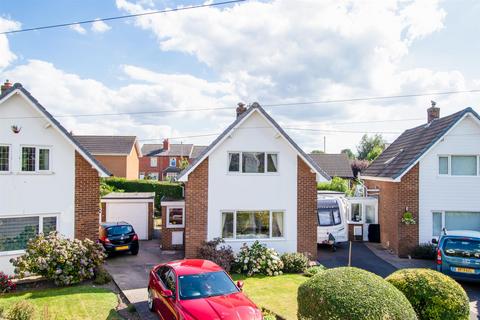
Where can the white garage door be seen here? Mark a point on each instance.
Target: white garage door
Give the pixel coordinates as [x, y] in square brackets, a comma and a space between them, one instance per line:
[134, 213]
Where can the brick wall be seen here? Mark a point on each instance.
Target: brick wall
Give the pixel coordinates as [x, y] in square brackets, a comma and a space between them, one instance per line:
[87, 199]
[196, 209]
[306, 210]
[393, 200]
[166, 240]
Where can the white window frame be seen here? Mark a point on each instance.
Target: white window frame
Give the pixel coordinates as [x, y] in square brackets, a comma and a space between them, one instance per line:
[171, 226]
[449, 174]
[10, 162]
[270, 238]
[153, 160]
[37, 159]
[362, 204]
[240, 169]
[443, 213]
[172, 160]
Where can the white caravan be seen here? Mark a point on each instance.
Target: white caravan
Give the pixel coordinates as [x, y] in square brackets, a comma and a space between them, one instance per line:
[332, 219]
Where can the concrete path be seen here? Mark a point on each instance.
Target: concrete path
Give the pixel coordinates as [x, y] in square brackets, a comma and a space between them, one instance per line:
[130, 272]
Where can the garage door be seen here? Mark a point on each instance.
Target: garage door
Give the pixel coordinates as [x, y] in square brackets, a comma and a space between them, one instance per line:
[134, 213]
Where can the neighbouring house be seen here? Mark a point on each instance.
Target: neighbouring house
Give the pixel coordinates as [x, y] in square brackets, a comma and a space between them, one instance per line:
[165, 161]
[48, 181]
[432, 172]
[119, 154]
[334, 164]
[252, 183]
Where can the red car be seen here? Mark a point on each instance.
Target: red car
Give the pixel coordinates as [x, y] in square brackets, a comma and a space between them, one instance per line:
[196, 289]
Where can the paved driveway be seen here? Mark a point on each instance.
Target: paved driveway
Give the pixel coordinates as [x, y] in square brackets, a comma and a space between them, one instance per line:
[130, 273]
[383, 264]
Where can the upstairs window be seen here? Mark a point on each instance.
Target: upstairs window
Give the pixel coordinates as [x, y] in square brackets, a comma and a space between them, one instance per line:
[153, 161]
[458, 165]
[44, 159]
[28, 159]
[4, 158]
[252, 162]
[173, 162]
[35, 159]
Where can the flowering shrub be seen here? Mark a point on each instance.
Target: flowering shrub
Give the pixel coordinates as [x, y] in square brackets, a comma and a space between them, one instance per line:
[61, 260]
[258, 259]
[294, 262]
[6, 284]
[220, 254]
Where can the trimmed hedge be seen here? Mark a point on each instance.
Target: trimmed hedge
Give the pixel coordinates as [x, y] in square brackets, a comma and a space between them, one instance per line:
[351, 293]
[432, 294]
[161, 188]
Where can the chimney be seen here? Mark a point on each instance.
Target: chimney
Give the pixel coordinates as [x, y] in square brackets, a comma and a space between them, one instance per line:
[240, 109]
[7, 85]
[433, 112]
[166, 144]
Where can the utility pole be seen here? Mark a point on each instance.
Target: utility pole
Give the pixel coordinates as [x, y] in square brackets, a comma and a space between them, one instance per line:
[324, 144]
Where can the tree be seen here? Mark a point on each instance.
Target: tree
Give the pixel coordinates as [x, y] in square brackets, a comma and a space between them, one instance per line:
[317, 152]
[349, 153]
[373, 145]
[183, 163]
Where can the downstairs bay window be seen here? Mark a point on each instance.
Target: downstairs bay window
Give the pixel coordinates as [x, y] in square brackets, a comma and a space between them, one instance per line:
[454, 220]
[261, 224]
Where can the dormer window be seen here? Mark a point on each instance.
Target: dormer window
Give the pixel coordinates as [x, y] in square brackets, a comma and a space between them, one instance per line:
[252, 162]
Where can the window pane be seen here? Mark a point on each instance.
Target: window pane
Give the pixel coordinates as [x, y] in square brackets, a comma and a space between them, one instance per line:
[369, 214]
[44, 159]
[277, 224]
[272, 162]
[227, 225]
[15, 232]
[4, 158]
[253, 224]
[49, 224]
[234, 162]
[336, 216]
[28, 159]
[325, 218]
[443, 165]
[173, 162]
[153, 162]
[175, 216]
[356, 213]
[253, 162]
[436, 224]
[462, 220]
[464, 165]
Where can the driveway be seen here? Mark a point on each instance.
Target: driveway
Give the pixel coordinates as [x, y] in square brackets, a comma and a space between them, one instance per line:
[371, 258]
[130, 273]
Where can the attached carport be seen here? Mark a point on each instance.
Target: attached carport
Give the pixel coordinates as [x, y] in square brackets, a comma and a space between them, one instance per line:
[135, 208]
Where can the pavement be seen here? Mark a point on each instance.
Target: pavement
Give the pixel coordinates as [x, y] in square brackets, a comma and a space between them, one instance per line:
[372, 257]
[130, 273]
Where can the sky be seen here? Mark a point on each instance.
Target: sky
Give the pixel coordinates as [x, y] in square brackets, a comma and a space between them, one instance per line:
[271, 52]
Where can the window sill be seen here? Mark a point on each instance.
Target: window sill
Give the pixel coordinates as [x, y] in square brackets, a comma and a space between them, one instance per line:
[254, 239]
[6, 173]
[11, 253]
[451, 176]
[34, 173]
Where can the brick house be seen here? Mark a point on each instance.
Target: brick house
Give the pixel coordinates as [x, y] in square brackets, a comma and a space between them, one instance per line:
[47, 180]
[431, 171]
[164, 161]
[119, 154]
[252, 183]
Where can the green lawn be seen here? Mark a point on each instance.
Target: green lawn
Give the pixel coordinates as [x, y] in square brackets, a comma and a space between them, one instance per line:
[78, 302]
[277, 294]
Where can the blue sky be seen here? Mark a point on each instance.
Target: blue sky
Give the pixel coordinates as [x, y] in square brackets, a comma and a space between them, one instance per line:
[266, 51]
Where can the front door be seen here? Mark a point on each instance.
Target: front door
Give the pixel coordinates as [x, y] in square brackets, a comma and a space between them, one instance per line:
[371, 216]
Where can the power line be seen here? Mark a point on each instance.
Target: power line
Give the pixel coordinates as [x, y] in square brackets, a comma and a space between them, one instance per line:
[122, 17]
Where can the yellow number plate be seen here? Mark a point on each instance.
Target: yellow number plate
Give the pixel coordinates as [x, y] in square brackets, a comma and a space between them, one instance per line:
[121, 248]
[464, 270]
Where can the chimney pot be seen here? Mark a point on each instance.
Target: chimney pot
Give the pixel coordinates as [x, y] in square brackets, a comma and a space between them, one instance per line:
[166, 144]
[241, 108]
[433, 112]
[7, 85]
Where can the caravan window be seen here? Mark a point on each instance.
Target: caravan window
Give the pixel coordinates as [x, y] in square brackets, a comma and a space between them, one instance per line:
[329, 217]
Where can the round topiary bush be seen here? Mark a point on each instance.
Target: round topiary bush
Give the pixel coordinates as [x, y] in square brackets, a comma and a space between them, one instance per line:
[351, 293]
[432, 294]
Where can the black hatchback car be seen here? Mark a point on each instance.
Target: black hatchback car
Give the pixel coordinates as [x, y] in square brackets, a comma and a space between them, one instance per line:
[118, 237]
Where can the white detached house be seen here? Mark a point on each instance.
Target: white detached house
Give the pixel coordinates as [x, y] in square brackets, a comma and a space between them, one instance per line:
[47, 180]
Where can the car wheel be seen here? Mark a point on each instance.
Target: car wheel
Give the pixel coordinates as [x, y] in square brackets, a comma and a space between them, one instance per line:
[134, 251]
[150, 300]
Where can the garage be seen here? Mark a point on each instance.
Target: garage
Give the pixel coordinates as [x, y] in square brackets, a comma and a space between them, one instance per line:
[136, 208]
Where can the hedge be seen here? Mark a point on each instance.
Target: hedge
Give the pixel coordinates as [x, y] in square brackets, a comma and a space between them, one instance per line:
[351, 293]
[161, 188]
[433, 295]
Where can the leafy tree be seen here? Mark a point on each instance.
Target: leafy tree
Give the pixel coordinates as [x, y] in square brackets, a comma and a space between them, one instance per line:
[336, 184]
[183, 163]
[349, 153]
[368, 144]
[358, 166]
[317, 151]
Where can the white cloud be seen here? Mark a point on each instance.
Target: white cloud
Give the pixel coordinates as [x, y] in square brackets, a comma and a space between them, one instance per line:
[78, 28]
[6, 55]
[99, 26]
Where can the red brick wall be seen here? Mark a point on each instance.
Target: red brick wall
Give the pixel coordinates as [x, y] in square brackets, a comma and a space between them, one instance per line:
[104, 212]
[306, 210]
[166, 240]
[196, 209]
[393, 200]
[87, 199]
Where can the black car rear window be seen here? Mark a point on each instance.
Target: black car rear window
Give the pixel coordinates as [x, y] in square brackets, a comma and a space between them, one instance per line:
[463, 248]
[117, 230]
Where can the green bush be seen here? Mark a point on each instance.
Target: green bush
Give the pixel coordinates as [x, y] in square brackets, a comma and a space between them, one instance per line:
[21, 310]
[427, 251]
[59, 259]
[294, 262]
[432, 294]
[336, 184]
[216, 251]
[102, 276]
[161, 188]
[257, 259]
[310, 272]
[351, 293]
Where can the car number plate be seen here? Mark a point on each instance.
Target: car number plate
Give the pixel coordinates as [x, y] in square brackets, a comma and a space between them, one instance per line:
[121, 248]
[464, 270]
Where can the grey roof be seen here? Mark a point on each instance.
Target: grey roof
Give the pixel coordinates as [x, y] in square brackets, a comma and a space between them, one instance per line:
[175, 150]
[130, 195]
[411, 145]
[47, 114]
[254, 106]
[335, 164]
[151, 149]
[111, 145]
[197, 150]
